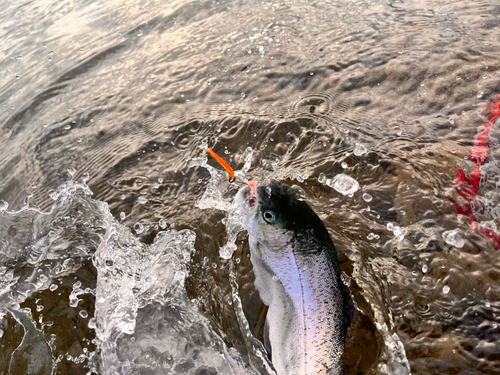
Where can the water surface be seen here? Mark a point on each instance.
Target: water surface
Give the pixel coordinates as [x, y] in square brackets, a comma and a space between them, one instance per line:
[119, 99]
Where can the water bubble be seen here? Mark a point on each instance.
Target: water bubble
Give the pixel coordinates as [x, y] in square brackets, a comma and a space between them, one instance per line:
[214, 266]
[43, 278]
[398, 233]
[140, 33]
[360, 149]
[237, 260]
[67, 127]
[71, 171]
[345, 184]
[414, 273]
[276, 278]
[344, 165]
[403, 213]
[424, 268]
[85, 177]
[123, 196]
[451, 120]
[142, 200]
[183, 196]
[160, 180]
[321, 178]
[39, 308]
[122, 215]
[83, 314]
[446, 289]
[53, 287]
[139, 228]
[268, 190]
[3, 205]
[371, 236]
[453, 238]
[162, 223]
[367, 197]
[480, 94]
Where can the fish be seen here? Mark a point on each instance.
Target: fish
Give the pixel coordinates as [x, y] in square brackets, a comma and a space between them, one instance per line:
[297, 276]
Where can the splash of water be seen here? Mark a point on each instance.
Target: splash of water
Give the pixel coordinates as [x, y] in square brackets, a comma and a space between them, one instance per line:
[143, 316]
[219, 194]
[39, 248]
[393, 359]
[143, 319]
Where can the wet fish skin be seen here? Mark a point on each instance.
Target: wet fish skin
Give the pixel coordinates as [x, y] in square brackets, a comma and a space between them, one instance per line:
[297, 276]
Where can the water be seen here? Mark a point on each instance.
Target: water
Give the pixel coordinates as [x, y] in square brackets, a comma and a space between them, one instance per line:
[150, 274]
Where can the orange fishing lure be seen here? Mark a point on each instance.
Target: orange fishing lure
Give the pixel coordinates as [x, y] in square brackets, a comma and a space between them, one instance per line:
[222, 162]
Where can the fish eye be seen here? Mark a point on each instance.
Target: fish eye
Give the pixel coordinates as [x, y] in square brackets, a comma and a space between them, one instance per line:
[269, 216]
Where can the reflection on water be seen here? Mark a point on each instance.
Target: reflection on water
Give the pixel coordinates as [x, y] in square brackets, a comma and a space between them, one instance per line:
[380, 101]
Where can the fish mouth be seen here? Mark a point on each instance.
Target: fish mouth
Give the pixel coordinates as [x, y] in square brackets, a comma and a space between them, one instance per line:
[251, 196]
[247, 196]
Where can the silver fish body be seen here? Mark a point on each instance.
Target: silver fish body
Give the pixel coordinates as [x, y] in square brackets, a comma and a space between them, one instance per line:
[297, 276]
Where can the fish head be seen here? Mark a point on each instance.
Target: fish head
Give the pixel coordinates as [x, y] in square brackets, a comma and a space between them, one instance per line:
[275, 215]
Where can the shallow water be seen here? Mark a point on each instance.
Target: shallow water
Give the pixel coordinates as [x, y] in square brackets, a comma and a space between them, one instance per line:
[125, 95]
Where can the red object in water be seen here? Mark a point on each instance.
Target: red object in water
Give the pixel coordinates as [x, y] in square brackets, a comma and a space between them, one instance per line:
[479, 153]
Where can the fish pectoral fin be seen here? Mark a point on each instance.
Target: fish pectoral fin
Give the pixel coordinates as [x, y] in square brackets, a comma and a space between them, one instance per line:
[267, 342]
[349, 309]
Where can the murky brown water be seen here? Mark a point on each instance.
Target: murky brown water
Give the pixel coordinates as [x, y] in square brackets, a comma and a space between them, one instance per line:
[128, 91]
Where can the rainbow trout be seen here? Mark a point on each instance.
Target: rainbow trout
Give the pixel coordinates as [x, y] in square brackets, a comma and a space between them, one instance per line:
[298, 277]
